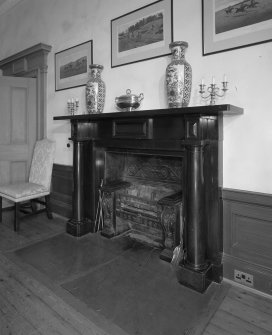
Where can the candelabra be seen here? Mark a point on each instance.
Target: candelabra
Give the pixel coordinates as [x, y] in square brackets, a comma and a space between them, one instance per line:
[213, 90]
[72, 106]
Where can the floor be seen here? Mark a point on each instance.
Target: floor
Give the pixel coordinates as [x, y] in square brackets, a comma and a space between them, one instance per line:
[123, 281]
[242, 312]
[31, 306]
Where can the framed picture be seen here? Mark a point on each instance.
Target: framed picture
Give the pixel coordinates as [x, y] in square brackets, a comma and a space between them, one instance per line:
[72, 65]
[142, 34]
[229, 25]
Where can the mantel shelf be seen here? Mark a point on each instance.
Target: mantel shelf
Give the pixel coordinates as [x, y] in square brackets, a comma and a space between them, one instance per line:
[214, 110]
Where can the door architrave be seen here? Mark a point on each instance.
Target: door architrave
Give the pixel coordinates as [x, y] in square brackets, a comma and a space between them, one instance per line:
[32, 63]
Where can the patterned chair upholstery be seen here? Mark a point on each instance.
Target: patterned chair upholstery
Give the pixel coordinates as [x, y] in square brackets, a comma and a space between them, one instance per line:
[38, 185]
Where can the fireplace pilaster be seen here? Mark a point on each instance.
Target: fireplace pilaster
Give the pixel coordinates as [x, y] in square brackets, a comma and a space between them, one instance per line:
[194, 203]
[78, 225]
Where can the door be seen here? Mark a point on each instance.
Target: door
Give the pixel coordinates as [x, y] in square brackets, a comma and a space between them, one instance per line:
[18, 127]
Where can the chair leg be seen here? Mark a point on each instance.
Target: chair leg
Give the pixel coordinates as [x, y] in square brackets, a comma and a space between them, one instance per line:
[48, 207]
[1, 209]
[33, 206]
[16, 216]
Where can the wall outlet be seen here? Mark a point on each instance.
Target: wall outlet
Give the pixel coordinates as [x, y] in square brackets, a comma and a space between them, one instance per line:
[238, 276]
[243, 278]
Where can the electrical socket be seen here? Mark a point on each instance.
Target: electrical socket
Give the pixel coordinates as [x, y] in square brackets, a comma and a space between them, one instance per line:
[243, 278]
[238, 276]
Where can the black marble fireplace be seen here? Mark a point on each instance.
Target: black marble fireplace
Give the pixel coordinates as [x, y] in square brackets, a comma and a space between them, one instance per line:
[185, 140]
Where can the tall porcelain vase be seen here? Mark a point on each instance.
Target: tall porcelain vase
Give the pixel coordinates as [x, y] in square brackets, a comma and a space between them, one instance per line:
[95, 90]
[178, 77]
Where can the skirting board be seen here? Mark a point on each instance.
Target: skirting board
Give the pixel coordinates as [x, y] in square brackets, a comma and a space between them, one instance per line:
[262, 277]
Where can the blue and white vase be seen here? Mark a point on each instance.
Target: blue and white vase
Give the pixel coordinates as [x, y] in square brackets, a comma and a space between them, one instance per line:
[178, 77]
[95, 90]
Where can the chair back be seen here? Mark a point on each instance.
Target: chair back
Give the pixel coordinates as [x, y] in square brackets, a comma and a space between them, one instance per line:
[42, 163]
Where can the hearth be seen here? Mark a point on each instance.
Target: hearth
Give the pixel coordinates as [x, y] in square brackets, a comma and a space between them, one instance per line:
[129, 151]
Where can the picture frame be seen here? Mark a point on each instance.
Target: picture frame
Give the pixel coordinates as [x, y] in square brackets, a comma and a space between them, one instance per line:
[72, 66]
[142, 34]
[231, 25]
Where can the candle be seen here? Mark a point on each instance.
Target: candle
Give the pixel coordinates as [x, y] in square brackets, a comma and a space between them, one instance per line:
[225, 78]
[72, 100]
[202, 82]
[213, 81]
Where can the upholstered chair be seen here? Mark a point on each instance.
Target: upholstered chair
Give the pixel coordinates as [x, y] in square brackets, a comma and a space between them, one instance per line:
[38, 186]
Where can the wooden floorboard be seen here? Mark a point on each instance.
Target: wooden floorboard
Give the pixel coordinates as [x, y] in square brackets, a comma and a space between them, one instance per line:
[242, 312]
[28, 307]
[257, 302]
[11, 322]
[248, 313]
[235, 325]
[213, 329]
[32, 307]
[32, 230]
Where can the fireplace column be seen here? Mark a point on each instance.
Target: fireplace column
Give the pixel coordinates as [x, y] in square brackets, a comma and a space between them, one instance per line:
[193, 272]
[78, 225]
[195, 209]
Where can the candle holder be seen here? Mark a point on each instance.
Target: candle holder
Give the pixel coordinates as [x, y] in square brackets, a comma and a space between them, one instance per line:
[213, 91]
[72, 106]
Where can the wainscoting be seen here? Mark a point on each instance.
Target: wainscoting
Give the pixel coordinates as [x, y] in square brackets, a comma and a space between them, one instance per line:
[61, 190]
[247, 224]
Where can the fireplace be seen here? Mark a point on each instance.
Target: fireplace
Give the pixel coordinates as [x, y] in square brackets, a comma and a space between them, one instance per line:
[133, 152]
[142, 197]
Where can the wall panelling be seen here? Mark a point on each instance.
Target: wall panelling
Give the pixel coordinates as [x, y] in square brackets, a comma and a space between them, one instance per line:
[248, 236]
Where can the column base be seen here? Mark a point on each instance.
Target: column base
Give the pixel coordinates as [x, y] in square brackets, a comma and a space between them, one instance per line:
[197, 280]
[78, 228]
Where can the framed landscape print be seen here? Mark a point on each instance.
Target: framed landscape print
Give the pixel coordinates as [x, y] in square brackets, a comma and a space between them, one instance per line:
[142, 34]
[72, 65]
[228, 25]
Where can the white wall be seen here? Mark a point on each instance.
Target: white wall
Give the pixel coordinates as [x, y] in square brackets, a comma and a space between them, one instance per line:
[65, 23]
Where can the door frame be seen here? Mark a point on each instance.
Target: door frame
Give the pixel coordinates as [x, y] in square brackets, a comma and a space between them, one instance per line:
[32, 63]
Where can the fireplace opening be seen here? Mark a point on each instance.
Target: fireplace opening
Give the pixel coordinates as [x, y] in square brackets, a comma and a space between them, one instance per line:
[142, 198]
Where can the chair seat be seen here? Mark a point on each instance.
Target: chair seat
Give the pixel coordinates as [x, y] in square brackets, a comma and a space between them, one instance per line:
[23, 191]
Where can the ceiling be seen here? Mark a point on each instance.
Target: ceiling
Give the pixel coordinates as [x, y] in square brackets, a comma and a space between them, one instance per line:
[6, 5]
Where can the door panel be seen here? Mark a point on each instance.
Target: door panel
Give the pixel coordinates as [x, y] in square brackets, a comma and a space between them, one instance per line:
[18, 171]
[5, 121]
[19, 117]
[18, 127]
[4, 176]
